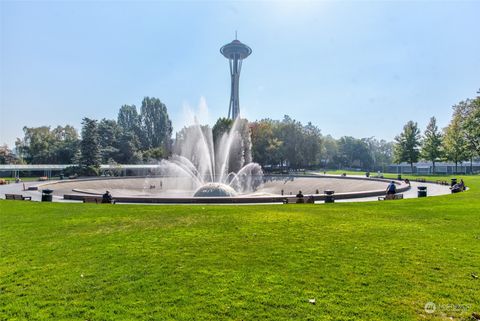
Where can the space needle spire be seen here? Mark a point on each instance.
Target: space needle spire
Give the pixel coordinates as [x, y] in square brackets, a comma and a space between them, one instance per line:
[235, 52]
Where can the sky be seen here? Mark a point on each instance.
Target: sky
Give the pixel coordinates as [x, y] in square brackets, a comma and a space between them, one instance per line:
[352, 68]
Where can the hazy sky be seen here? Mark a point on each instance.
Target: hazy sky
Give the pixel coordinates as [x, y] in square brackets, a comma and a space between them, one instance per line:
[352, 68]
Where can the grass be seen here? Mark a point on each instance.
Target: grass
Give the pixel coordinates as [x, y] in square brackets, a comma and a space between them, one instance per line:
[360, 261]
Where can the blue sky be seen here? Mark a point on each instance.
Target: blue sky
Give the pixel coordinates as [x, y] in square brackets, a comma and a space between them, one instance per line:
[351, 68]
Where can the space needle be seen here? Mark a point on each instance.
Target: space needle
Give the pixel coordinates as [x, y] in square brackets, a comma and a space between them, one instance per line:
[235, 52]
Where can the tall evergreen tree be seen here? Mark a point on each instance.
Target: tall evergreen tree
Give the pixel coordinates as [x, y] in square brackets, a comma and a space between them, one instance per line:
[406, 148]
[432, 143]
[109, 134]
[90, 145]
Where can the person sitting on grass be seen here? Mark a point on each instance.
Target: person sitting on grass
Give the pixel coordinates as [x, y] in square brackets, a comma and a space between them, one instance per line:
[391, 191]
[107, 198]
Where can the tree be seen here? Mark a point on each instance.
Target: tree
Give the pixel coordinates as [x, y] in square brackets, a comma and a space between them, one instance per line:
[330, 151]
[156, 125]
[129, 122]
[454, 142]
[432, 143]
[286, 143]
[127, 149]
[90, 145]
[7, 156]
[41, 145]
[109, 133]
[290, 133]
[37, 145]
[221, 127]
[265, 144]
[311, 145]
[406, 148]
[353, 152]
[381, 152]
[468, 113]
[128, 119]
[66, 145]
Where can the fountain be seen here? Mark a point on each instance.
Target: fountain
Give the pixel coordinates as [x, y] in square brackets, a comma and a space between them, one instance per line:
[221, 168]
[208, 169]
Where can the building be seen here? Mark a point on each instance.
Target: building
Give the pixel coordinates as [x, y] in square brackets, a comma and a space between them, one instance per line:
[440, 168]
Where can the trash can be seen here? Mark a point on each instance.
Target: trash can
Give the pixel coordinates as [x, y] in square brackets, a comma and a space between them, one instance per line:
[399, 177]
[329, 196]
[47, 195]
[422, 191]
[453, 182]
[62, 176]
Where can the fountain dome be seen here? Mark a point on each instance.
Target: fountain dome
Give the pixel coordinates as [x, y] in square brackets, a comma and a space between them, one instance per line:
[215, 190]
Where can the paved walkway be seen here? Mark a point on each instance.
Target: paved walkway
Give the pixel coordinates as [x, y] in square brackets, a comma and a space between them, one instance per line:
[432, 190]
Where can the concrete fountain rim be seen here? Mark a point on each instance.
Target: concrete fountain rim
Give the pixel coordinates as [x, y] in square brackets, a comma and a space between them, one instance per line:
[402, 187]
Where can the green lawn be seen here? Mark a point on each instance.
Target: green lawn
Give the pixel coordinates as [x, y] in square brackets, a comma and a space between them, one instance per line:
[360, 261]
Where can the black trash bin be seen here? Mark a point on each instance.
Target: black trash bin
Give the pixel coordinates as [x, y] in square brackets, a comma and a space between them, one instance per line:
[47, 195]
[399, 177]
[453, 182]
[62, 176]
[329, 196]
[422, 191]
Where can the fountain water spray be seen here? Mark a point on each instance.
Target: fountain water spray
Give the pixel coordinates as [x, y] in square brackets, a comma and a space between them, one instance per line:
[213, 169]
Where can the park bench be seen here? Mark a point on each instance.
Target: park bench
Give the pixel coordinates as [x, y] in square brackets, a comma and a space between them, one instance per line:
[95, 199]
[296, 200]
[389, 197]
[92, 199]
[17, 197]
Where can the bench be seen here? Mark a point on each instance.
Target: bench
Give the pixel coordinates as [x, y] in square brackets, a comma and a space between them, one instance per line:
[92, 199]
[391, 197]
[96, 200]
[297, 200]
[17, 197]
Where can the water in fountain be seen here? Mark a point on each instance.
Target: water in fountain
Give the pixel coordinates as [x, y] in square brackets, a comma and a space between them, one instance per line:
[223, 168]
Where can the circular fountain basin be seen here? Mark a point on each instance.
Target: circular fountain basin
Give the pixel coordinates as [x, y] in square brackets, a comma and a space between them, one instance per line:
[179, 190]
